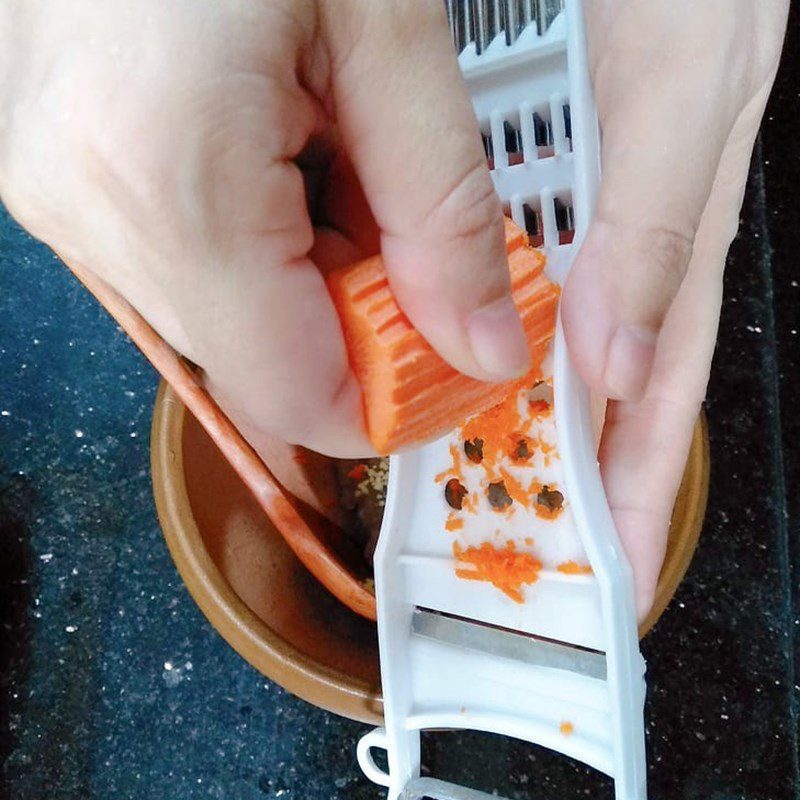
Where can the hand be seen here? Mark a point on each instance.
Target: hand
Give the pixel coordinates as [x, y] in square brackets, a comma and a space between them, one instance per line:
[175, 150]
[680, 90]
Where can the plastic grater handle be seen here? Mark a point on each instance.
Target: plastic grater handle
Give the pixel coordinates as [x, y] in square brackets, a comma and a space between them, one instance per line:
[432, 789]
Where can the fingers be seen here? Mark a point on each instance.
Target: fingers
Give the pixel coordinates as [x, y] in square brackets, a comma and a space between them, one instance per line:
[278, 362]
[645, 443]
[409, 128]
[662, 138]
[654, 188]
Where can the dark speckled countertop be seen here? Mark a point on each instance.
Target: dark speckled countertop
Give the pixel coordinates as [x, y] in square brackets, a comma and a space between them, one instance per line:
[113, 685]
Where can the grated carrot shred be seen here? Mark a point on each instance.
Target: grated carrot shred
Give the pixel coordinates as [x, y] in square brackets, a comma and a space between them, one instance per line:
[506, 569]
[547, 513]
[494, 427]
[516, 491]
[566, 728]
[541, 408]
[454, 522]
[573, 568]
[358, 472]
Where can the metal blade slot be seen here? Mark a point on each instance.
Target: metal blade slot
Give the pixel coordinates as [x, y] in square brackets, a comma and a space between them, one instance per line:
[513, 142]
[433, 789]
[565, 219]
[488, 148]
[508, 644]
[543, 134]
[533, 224]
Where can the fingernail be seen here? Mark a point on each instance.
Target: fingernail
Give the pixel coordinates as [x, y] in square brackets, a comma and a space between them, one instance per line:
[498, 340]
[629, 362]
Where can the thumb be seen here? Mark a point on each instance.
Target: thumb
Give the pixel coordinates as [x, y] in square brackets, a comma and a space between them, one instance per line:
[656, 183]
[407, 123]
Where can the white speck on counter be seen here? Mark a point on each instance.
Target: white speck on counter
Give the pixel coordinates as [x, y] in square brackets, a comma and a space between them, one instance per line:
[5, 413]
[79, 434]
[71, 628]
[172, 675]
[46, 557]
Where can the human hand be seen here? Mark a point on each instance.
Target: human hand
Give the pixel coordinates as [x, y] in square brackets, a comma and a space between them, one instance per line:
[680, 89]
[175, 150]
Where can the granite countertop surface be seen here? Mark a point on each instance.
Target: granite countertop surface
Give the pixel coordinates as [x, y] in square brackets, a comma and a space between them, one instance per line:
[113, 684]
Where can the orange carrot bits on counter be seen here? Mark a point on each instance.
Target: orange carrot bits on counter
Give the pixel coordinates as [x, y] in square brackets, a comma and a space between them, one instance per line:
[506, 569]
[566, 728]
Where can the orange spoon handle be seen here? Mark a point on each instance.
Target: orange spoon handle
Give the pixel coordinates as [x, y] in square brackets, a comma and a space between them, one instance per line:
[318, 558]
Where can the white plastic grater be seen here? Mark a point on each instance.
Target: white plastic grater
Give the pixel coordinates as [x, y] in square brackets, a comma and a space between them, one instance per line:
[460, 654]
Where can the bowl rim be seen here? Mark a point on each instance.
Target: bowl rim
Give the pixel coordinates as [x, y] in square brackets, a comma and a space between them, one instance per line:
[273, 655]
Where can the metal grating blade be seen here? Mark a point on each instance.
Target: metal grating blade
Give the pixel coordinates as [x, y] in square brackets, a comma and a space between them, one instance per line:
[433, 789]
[508, 644]
[480, 21]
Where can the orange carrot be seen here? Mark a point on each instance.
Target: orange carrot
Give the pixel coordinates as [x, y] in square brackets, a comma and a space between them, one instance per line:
[411, 394]
[516, 491]
[506, 569]
[454, 522]
[358, 472]
[573, 568]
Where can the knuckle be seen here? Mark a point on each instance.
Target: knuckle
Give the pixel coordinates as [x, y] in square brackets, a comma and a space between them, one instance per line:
[666, 251]
[469, 207]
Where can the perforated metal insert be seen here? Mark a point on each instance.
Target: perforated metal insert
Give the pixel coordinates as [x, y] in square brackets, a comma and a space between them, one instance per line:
[480, 21]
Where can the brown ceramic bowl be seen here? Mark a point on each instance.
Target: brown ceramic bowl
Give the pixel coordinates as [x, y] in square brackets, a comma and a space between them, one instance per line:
[265, 603]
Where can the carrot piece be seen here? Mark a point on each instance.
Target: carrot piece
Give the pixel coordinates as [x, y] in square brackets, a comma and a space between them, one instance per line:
[515, 489]
[359, 472]
[506, 569]
[454, 522]
[411, 395]
[573, 568]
